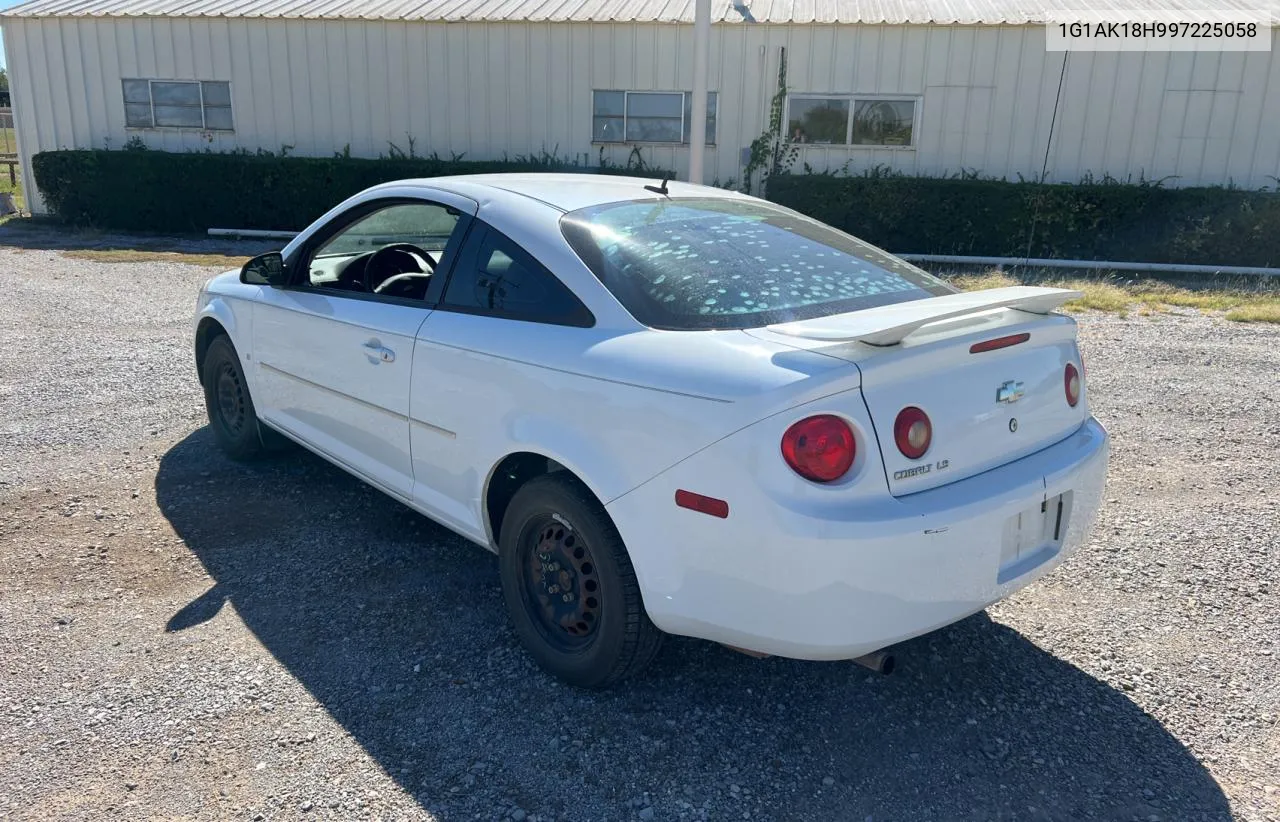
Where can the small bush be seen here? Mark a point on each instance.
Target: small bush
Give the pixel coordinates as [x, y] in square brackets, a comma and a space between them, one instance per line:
[1092, 220]
[141, 190]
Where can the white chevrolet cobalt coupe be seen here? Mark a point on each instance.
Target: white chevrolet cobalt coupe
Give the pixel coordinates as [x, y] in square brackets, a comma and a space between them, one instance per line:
[668, 408]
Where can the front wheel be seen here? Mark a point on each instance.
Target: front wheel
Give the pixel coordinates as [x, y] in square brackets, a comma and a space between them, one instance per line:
[232, 417]
[569, 586]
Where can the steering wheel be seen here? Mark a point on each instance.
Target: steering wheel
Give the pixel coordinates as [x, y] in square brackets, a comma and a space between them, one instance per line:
[397, 258]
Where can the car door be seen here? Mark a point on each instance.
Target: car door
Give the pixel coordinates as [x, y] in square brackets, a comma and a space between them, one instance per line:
[500, 306]
[334, 349]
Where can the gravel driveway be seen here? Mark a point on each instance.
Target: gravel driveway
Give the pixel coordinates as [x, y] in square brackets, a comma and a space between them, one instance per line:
[188, 638]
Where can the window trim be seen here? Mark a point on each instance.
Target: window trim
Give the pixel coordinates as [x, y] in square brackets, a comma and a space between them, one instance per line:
[477, 234]
[299, 276]
[151, 102]
[626, 93]
[854, 98]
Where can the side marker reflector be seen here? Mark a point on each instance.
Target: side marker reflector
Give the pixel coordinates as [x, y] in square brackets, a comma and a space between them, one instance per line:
[998, 342]
[703, 505]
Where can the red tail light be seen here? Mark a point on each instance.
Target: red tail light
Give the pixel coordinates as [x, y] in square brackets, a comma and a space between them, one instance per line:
[1071, 383]
[913, 432]
[820, 448]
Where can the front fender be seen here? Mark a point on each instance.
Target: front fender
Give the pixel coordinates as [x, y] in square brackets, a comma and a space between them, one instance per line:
[234, 317]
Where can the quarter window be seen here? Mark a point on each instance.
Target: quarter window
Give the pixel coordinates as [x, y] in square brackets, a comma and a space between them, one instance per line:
[647, 116]
[850, 120]
[204, 104]
[501, 279]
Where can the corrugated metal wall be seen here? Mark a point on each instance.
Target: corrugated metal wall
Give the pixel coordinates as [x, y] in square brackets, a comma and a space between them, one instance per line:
[987, 93]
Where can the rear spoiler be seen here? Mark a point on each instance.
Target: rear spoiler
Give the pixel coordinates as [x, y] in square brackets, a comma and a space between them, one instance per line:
[890, 324]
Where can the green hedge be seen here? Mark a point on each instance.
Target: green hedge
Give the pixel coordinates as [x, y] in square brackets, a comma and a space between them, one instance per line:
[1101, 221]
[142, 190]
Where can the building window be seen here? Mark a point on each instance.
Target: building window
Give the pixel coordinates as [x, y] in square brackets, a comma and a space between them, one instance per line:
[647, 116]
[848, 120]
[178, 104]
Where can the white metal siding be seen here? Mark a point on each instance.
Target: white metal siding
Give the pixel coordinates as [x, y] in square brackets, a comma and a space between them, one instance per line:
[492, 89]
[737, 12]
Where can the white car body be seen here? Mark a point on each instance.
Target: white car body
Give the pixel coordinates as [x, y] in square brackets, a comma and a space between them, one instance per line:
[426, 404]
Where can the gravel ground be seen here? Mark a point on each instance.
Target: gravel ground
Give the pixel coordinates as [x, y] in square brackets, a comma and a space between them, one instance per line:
[188, 638]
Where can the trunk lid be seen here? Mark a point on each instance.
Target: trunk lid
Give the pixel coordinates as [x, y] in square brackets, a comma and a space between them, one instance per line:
[986, 409]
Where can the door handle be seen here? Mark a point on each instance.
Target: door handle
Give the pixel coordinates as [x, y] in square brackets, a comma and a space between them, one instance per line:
[376, 352]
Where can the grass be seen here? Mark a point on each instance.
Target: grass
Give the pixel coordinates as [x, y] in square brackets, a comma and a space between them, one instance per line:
[1260, 313]
[131, 255]
[16, 187]
[1241, 302]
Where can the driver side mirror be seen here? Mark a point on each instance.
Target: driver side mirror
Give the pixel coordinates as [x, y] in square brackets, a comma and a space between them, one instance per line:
[264, 269]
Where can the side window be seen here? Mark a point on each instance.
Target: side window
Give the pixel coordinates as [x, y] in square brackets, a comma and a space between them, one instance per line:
[393, 251]
[502, 279]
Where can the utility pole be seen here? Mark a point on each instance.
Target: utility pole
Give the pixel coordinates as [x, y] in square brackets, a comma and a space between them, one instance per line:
[698, 115]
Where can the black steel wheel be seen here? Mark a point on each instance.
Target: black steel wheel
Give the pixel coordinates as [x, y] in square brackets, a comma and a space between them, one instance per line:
[569, 586]
[562, 586]
[233, 400]
[232, 417]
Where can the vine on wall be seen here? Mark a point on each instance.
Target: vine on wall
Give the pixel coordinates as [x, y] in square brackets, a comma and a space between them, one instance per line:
[773, 152]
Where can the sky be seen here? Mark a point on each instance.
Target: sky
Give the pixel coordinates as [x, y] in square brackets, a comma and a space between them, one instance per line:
[4, 4]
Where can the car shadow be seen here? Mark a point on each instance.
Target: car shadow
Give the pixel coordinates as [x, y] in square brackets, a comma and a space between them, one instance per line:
[396, 626]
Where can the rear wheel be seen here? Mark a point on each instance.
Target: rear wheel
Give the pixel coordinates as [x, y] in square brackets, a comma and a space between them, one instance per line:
[569, 586]
[232, 417]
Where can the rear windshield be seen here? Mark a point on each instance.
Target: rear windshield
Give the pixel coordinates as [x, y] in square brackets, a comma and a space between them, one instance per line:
[726, 263]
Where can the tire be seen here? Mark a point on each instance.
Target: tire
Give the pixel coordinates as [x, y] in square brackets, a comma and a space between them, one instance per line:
[232, 417]
[557, 541]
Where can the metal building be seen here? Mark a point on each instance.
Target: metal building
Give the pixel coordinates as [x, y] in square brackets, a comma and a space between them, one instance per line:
[928, 87]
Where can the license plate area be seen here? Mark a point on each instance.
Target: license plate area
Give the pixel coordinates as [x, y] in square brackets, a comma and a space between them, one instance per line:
[1032, 537]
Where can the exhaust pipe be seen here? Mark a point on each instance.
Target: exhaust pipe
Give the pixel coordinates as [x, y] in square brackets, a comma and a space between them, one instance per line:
[881, 662]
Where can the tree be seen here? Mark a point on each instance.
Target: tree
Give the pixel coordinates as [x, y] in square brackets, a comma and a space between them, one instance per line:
[4, 80]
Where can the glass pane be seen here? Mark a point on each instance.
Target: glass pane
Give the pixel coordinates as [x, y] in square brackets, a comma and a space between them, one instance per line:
[216, 93]
[609, 102]
[137, 91]
[425, 225]
[818, 120]
[503, 279]
[178, 116]
[607, 129]
[653, 129]
[504, 284]
[721, 263]
[650, 104]
[176, 94]
[711, 116]
[217, 118]
[883, 122]
[137, 116]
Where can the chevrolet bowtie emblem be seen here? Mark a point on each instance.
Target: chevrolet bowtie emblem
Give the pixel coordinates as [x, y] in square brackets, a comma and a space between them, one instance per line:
[1010, 392]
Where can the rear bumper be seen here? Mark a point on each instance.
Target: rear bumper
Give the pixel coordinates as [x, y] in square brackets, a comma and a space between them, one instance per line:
[779, 579]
